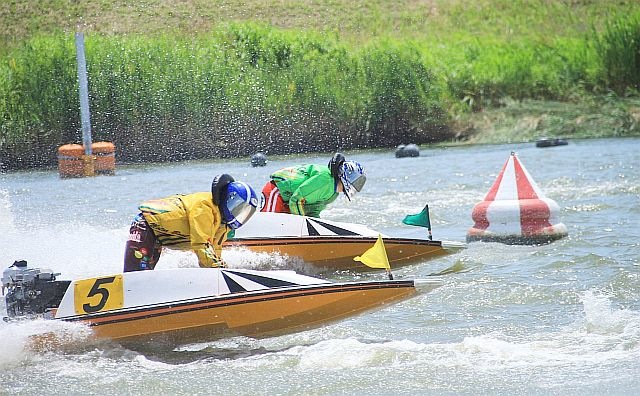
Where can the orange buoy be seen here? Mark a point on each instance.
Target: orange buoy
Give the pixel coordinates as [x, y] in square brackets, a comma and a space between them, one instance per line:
[105, 157]
[70, 160]
[73, 162]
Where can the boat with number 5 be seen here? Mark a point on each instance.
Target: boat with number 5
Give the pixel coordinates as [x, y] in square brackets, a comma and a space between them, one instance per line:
[175, 306]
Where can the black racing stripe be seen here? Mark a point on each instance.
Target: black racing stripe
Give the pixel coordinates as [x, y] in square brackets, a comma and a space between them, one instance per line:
[311, 229]
[233, 286]
[263, 280]
[335, 229]
[326, 239]
[169, 240]
[215, 302]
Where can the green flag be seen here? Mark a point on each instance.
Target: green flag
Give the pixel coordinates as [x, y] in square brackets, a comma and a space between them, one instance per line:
[421, 219]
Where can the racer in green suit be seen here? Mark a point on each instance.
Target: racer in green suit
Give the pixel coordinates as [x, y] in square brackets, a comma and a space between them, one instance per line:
[307, 189]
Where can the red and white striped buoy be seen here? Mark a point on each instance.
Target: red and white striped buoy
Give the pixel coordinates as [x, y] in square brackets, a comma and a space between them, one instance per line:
[515, 211]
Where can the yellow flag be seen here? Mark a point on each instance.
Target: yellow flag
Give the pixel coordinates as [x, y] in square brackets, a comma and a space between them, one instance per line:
[376, 256]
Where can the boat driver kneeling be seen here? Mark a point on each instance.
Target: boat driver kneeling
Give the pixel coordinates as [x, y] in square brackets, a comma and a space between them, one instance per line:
[198, 222]
[309, 188]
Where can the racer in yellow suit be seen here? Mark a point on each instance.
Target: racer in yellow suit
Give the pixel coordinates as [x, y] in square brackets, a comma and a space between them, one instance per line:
[189, 222]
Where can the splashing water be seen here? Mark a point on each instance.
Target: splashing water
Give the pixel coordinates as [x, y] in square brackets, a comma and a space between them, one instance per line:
[558, 318]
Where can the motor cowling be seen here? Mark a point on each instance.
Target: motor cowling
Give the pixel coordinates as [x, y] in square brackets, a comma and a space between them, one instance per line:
[31, 292]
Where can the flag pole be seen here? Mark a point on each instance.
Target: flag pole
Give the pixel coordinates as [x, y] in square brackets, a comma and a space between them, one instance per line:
[386, 259]
[426, 208]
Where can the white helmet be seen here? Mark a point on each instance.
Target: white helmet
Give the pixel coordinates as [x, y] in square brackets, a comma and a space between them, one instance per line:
[352, 177]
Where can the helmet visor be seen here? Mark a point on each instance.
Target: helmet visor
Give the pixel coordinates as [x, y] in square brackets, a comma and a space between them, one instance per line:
[240, 209]
[353, 183]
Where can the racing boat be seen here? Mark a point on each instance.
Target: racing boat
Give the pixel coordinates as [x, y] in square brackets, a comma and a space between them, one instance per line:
[174, 306]
[330, 244]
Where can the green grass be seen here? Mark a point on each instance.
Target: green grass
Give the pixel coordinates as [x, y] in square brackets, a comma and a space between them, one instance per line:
[199, 78]
[359, 20]
[529, 120]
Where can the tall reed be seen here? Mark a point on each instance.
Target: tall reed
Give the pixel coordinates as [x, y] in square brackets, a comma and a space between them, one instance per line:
[248, 87]
[619, 51]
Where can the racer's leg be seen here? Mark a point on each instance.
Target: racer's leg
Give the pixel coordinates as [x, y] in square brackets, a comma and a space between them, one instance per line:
[142, 250]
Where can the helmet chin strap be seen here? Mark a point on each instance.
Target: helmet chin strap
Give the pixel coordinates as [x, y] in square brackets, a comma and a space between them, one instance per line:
[343, 189]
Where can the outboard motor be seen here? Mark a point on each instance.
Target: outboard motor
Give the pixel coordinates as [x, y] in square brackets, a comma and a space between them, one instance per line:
[31, 291]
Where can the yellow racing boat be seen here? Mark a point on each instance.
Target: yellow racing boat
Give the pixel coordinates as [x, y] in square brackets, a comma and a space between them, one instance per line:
[330, 244]
[176, 306]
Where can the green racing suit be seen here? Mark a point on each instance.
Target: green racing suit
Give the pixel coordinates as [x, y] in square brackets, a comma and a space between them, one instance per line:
[307, 189]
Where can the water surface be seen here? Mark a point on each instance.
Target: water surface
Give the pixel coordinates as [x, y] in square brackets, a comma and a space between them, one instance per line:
[562, 318]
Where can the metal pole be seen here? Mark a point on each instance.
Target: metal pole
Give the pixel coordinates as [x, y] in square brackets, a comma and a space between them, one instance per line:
[84, 93]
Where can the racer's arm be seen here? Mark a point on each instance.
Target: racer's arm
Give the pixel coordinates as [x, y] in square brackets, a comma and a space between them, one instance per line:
[313, 210]
[205, 224]
[314, 190]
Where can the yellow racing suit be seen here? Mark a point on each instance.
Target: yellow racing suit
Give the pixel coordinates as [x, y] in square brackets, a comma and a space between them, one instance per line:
[188, 222]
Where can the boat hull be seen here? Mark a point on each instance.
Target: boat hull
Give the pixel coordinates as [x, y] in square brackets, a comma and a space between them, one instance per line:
[177, 306]
[338, 252]
[330, 244]
[257, 315]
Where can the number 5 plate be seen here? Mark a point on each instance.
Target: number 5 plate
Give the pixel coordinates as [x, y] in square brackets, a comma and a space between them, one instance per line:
[98, 294]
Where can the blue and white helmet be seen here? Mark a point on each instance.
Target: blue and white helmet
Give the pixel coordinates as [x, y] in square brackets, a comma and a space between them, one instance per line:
[240, 203]
[352, 177]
